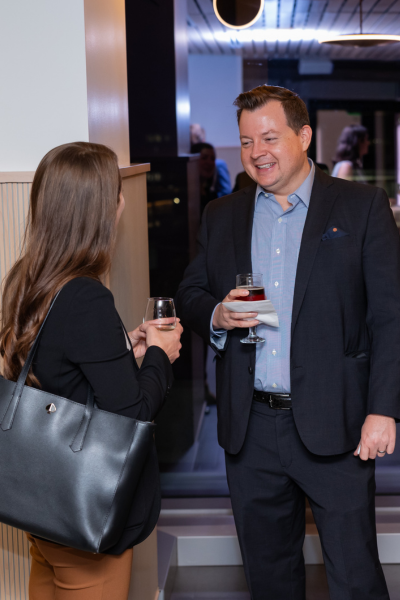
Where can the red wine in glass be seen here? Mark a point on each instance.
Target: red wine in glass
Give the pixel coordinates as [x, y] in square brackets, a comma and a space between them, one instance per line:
[255, 293]
[253, 282]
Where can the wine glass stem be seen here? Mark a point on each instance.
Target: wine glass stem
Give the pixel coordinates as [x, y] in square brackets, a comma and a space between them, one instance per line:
[253, 332]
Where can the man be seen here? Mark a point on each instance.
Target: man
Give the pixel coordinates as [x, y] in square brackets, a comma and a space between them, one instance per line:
[306, 413]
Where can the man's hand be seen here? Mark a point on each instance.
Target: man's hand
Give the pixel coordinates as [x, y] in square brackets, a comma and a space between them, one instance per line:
[226, 319]
[378, 433]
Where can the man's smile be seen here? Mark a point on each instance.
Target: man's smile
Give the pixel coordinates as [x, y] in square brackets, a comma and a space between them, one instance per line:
[266, 166]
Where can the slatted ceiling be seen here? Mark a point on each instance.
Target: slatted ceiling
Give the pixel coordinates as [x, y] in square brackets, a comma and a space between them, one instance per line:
[390, 23]
[248, 50]
[270, 13]
[380, 16]
[259, 48]
[192, 8]
[286, 14]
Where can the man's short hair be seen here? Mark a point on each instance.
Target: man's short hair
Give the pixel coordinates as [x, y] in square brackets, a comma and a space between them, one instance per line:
[293, 106]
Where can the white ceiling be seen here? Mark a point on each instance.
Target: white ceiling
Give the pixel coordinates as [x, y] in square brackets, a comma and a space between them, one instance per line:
[208, 36]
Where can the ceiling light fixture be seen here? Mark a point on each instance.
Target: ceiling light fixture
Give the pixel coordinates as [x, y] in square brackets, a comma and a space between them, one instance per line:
[238, 14]
[362, 40]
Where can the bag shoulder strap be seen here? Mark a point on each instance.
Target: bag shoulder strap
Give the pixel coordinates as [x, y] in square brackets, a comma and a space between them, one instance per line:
[20, 384]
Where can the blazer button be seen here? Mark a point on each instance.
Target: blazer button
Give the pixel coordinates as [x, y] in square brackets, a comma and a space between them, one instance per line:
[251, 370]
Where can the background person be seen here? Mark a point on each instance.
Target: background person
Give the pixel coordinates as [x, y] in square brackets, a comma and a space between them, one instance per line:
[298, 412]
[352, 146]
[75, 206]
[198, 136]
[214, 183]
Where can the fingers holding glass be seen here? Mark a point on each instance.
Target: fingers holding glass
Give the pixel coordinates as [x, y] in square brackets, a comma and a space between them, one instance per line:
[161, 311]
[253, 283]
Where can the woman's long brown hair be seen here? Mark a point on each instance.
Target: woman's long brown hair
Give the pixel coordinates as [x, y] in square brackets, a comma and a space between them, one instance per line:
[70, 233]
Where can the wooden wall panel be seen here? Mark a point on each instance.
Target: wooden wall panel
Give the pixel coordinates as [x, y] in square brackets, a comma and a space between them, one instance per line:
[14, 547]
[14, 202]
[14, 564]
[129, 276]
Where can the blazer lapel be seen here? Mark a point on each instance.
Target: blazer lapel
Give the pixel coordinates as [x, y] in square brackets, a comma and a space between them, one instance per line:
[322, 200]
[242, 229]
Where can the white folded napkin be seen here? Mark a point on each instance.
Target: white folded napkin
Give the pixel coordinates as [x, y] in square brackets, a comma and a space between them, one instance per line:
[264, 308]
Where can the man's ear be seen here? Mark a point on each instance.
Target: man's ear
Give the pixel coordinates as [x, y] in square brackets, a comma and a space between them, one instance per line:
[305, 136]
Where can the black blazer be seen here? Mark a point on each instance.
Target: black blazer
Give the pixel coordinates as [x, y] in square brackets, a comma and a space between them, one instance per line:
[345, 347]
[83, 342]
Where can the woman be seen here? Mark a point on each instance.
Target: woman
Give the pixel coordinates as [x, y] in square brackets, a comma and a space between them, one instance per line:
[76, 203]
[353, 144]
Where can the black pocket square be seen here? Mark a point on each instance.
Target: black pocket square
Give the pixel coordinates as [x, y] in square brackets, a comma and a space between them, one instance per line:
[332, 233]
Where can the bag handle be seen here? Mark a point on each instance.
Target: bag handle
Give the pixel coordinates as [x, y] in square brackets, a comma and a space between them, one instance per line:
[7, 422]
[9, 416]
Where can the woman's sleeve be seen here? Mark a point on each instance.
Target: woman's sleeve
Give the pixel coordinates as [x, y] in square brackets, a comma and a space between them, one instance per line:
[94, 340]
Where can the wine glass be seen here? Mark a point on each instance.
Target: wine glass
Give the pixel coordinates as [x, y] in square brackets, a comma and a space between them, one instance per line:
[254, 283]
[163, 311]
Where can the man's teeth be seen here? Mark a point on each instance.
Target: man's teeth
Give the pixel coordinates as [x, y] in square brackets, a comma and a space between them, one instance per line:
[268, 166]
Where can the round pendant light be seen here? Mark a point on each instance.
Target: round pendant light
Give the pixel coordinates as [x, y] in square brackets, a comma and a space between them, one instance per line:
[362, 40]
[238, 14]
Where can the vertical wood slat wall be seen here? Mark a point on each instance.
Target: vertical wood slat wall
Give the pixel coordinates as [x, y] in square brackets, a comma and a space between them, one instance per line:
[14, 564]
[14, 202]
[14, 547]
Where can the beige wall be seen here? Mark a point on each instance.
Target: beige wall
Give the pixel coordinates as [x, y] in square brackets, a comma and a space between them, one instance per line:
[65, 67]
[43, 95]
[129, 276]
[107, 87]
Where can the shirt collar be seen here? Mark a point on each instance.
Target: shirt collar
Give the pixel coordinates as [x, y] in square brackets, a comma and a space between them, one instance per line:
[303, 192]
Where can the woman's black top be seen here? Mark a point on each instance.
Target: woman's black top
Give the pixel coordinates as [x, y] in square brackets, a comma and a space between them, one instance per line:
[82, 343]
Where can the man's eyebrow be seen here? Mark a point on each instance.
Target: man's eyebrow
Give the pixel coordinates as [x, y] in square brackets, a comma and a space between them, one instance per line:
[263, 133]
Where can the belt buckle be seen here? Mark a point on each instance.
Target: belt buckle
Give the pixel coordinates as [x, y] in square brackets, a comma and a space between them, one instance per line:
[276, 400]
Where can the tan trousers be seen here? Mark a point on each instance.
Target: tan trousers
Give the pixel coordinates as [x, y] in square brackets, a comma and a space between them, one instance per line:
[60, 573]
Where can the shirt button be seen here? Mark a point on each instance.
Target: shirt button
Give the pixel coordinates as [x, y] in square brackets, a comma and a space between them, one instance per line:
[279, 220]
[274, 385]
[276, 283]
[274, 352]
[278, 250]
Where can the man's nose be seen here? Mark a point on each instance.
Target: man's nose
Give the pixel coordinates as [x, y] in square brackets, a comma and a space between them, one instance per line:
[257, 150]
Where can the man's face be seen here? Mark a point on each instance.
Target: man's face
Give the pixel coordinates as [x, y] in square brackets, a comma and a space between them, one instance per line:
[272, 153]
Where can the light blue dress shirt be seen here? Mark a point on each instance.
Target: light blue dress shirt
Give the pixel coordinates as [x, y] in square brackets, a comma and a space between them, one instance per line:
[275, 248]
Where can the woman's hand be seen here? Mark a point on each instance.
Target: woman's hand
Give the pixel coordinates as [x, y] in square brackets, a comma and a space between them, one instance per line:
[169, 341]
[147, 335]
[138, 340]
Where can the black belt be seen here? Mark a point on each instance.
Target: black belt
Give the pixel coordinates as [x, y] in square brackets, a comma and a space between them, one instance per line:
[277, 401]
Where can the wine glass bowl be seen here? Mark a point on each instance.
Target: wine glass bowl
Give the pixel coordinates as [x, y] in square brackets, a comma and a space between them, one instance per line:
[253, 282]
[162, 311]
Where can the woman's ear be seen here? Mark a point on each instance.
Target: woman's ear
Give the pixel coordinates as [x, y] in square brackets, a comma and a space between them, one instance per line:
[120, 208]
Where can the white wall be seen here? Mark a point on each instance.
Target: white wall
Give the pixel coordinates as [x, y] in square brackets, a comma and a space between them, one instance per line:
[43, 91]
[214, 83]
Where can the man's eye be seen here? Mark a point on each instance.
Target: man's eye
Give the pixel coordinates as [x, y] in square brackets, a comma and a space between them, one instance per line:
[270, 139]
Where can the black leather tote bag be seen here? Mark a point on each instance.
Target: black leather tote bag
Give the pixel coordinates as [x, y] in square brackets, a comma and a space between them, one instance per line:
[68, 472]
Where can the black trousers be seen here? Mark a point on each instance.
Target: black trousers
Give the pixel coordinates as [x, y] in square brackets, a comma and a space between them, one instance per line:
[269, 480]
